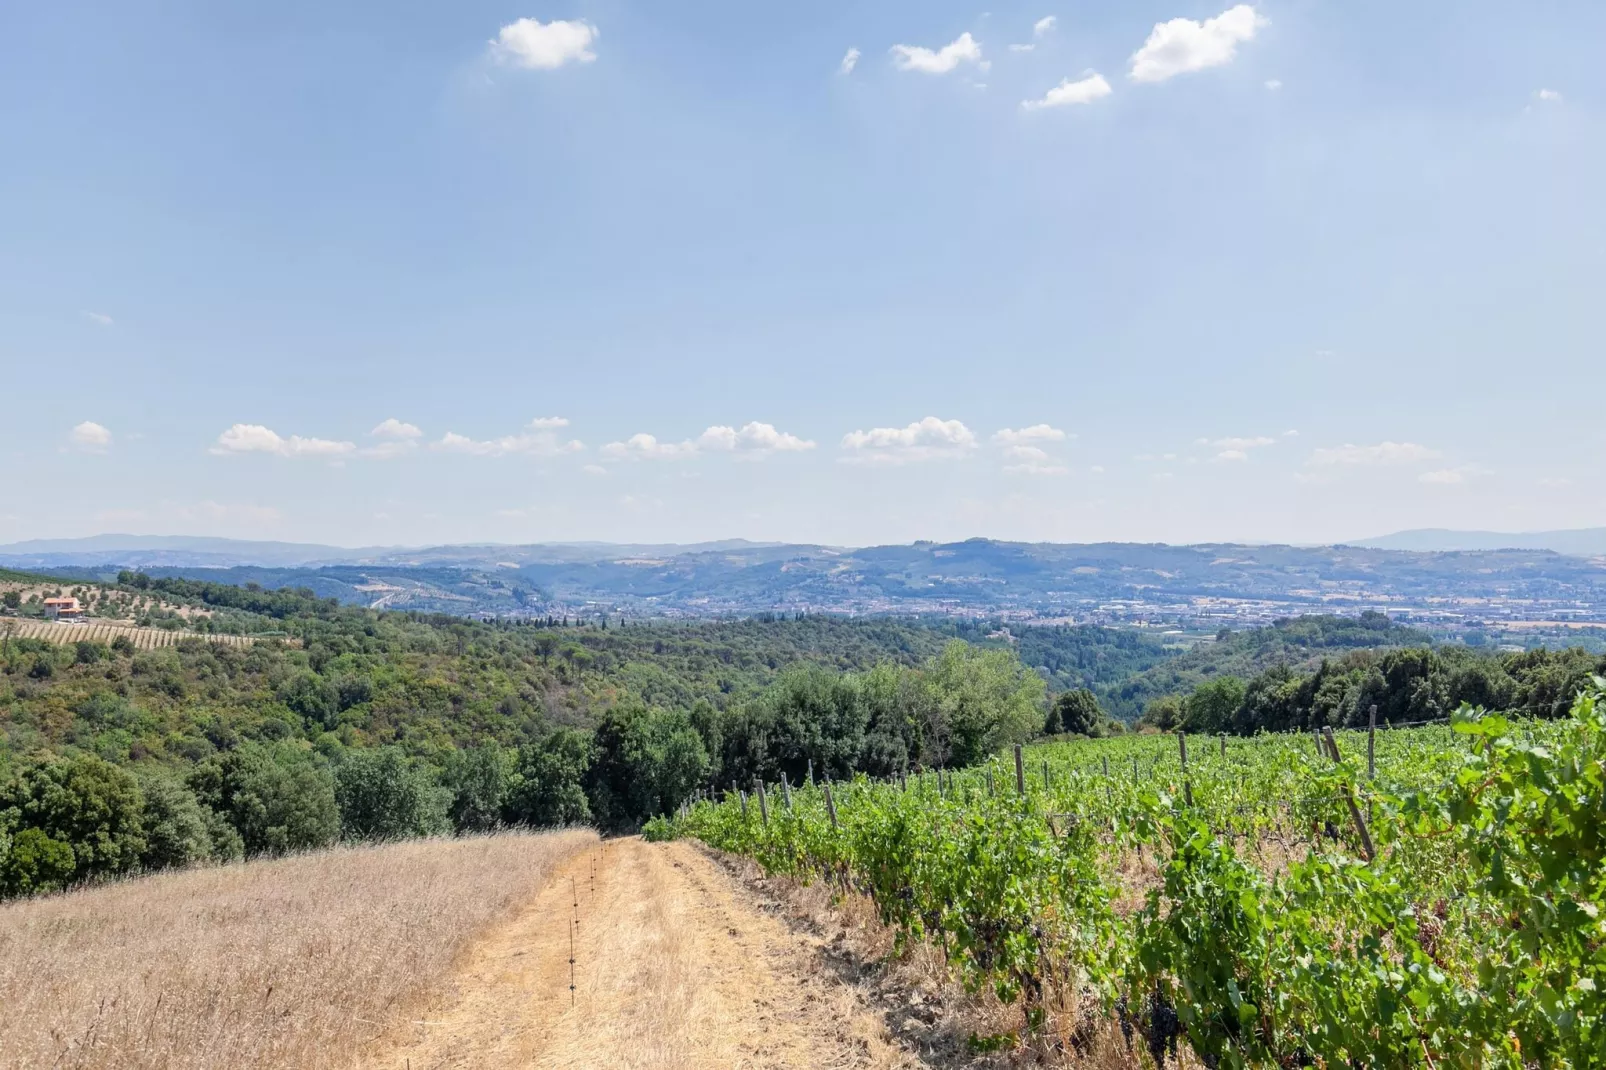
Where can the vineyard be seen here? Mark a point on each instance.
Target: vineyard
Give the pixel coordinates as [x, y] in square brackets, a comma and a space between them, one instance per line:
[62, 633]
[1416, 897]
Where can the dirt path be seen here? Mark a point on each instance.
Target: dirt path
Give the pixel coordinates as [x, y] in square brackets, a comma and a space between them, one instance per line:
[675, 968]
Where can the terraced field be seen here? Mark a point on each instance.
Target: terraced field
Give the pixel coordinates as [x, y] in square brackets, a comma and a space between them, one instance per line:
[104, 632]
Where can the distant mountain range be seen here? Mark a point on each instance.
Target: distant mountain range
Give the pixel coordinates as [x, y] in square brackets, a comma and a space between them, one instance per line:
[1155, 585]
[1584, 542]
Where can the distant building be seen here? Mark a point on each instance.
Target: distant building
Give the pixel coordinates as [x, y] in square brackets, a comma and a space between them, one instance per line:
[63, 609]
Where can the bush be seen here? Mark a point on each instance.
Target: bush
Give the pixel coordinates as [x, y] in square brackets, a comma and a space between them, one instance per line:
[179, 831]
[35, 863]
[479, 780]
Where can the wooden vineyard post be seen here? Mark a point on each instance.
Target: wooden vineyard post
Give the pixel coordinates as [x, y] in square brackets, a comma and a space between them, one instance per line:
[1187, 788]
[1047, 783]
[1223, 744]
[1020, 772]
[811, 772]
[1371, 744]
[763, 801]
[1349, 797]
[743, 795]
[830, 806]
[989, 782]
[1134, 769]
[1106, 767]
[786, 793]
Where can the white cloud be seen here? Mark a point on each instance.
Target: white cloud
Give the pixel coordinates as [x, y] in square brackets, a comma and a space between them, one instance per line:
[1097, 469]
[1454, 476]
[549, 423]
[1035, 433]
[1290, 434]
[1242, 443]
[1273, 84]
[537, 442]
[753, 438]
[90, 437]
[962, 49]
[923, 440]
[1021, 48]
[254, 438]
[1036, 468]
[1084, 90]
[1555, 482]
[1382, 453]
[1183, 45]
[593, 470]
[539, 45]
[394, 428]
[1044, 25]
[1026, 453]
[98, 317]
[849, 61]
[1549, 96]
[1232, 455]
[645, 447]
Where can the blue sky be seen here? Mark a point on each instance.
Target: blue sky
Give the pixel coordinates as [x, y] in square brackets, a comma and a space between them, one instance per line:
[1161, 271]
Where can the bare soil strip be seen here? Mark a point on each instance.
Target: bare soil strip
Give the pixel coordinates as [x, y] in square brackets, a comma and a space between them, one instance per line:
[675, 967]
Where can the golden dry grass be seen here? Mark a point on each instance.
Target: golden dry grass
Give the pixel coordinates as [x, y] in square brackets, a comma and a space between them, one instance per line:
[298, 962]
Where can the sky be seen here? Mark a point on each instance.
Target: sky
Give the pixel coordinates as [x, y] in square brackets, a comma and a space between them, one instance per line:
[1157, 270]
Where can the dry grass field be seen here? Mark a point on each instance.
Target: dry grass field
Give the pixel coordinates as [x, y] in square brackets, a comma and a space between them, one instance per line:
[297, 962]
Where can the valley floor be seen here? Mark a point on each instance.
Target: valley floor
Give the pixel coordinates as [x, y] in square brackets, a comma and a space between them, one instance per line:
[676, 965]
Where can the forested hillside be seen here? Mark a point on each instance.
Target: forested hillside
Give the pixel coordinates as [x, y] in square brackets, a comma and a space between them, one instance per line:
[345, 722]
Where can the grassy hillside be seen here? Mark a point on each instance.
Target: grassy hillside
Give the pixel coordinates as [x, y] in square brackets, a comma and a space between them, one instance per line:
[294, 962]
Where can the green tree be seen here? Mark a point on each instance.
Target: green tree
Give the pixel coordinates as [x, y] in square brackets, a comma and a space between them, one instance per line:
[313, 697]
[277, 799]
[383, 796]
[32, 863]
[985, 699]
[645, 762]
[1213, 706]
[1076, 712]
[179, 831]
[479, 780]
[86, 803]
[548, 786]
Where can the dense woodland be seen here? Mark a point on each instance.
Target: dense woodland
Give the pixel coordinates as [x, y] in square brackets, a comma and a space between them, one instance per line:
[350, 723]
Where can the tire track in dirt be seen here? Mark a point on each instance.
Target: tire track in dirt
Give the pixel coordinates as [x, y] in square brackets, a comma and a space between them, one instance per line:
[675, 968]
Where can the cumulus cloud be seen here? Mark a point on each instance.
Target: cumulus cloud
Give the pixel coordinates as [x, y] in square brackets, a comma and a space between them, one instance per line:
[645, 447]
[1035, 433]
[1549, 96]
[1274, 84]
[924, 440]
[1084, 90]
[537, 441]
[1382, 453]
[849, 61]
[537, 45]
[106, 321]
[962, 49]
[1183, 45]
[254, 438]
[1044, 25]
[90, 437]
[394, 428]
[752, 438]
